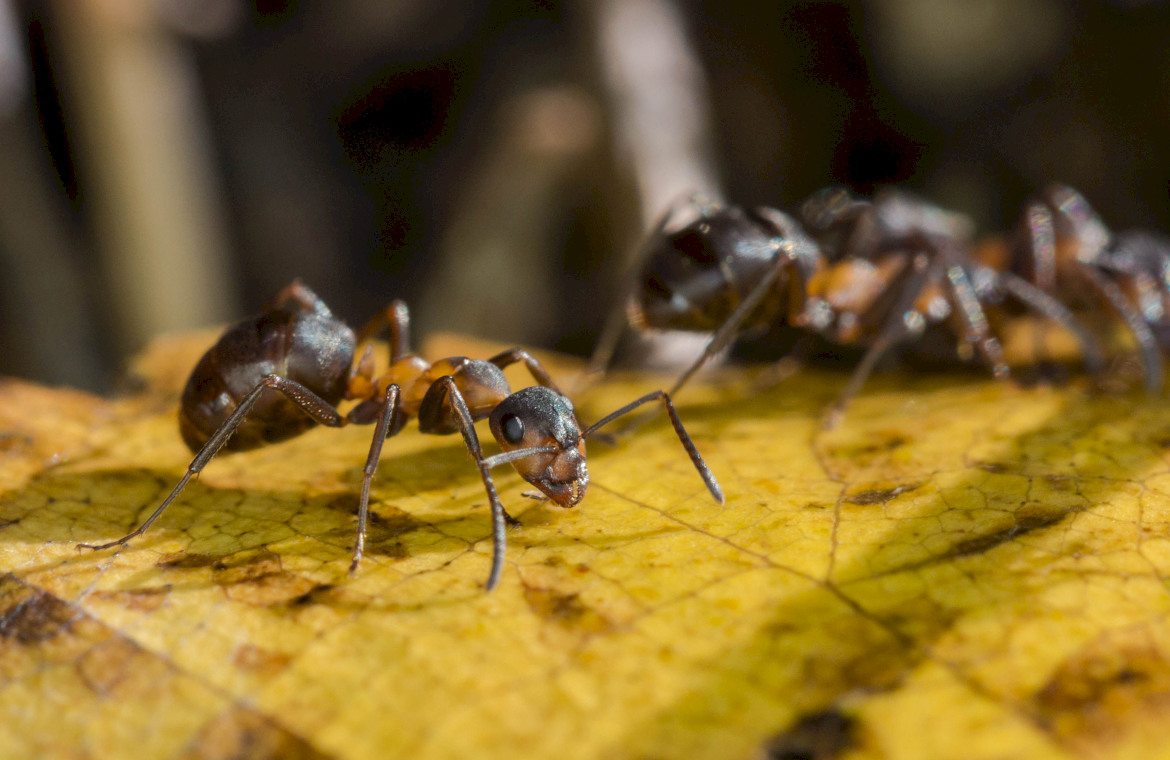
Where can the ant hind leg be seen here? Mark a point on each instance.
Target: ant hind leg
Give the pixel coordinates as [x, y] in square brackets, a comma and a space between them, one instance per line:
[309, 402]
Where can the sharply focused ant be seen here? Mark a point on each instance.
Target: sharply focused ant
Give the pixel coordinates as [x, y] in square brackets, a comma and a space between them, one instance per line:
[1063, 247]
[276, 375]
[871, 273]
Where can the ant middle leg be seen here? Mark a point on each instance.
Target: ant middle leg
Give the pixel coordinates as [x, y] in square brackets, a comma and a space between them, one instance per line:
[895, 329]
[535, 368]
[396, 318]
[385, 428]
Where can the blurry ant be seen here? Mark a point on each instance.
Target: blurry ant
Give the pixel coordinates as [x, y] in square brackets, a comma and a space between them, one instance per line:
[276, 375]
[873, 273]
[1062, 247]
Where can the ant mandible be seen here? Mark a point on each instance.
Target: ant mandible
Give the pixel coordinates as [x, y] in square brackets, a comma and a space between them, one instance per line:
[873, 273]
[276, 375]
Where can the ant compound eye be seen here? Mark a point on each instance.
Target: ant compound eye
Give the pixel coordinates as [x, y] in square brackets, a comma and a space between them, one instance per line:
[512, 428]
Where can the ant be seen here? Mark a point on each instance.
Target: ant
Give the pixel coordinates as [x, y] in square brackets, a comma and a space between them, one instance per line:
[276, 375]
[1062, 246]
[872, 273]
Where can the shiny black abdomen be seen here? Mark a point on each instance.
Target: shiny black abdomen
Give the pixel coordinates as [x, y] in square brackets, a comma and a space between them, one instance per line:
[309, 347]
[695, 277]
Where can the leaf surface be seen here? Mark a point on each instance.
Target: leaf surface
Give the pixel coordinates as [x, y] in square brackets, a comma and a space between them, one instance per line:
[962, 569]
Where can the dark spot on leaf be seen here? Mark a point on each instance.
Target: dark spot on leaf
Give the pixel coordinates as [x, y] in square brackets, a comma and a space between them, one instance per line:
[146, 599]
[31, 616]
[1061, 483]
[821, 735]
[879, 495]
[564, 609]
[1026, 520]
[995, 467]
[259, 661]
[384, 522]
[875, 446]
[257, 577]
[312, 596]
[11, 441]
[1114, 688]
[187, 560]
[243, 734]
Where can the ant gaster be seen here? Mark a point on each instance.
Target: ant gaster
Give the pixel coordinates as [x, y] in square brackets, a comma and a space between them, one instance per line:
[276, 375]
[873, 273]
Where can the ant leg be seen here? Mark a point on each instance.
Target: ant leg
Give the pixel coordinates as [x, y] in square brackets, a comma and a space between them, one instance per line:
[1047, 306]
[535, 368]
[500, 517]
[1041, 244]
[360, 383]
[1074, 210]
[618, 319]
[892, 331]
[729, 330]
[388, 407]
[971, 314]
[309, 403]
[1041, 231]
[684, 438]
[396, 316]
[1147, 343]
[299, 293]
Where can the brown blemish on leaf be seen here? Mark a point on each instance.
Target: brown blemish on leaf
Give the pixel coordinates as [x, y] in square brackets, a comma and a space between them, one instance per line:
[879, 495]
[13, 441]
[876, 445]
[1115, 689]
[1027, 519]
[566, 610]
[257, 577]
[820, 735]
[30, 616]
[107, 664]
[259, 661]
[243, 734]
[145, 599]
[181, 560]
[316, 595]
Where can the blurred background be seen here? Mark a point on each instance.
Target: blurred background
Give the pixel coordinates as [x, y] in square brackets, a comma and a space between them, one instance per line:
[168, 164]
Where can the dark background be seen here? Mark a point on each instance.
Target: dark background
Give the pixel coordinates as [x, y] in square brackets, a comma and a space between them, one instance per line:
[467, 154]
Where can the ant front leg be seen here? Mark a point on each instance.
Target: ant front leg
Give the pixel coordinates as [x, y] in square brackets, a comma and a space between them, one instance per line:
[310, 403]
[449, 396]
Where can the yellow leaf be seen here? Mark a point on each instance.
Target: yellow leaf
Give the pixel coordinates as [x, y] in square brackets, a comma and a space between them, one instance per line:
[962, 569]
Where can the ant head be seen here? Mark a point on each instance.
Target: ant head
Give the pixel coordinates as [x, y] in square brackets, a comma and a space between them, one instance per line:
[540, 417]
[685, 282]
